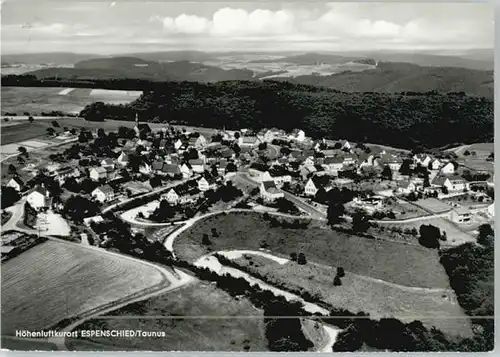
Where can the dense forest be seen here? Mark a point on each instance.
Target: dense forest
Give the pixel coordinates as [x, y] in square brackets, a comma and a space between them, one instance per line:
[407, 120]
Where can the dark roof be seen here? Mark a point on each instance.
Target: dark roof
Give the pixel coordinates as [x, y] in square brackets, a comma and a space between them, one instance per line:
[270, 186]
[143, 127]
[170, 168]
[195, 162]
[157, 165]
[41, 190]
[18, 180]
[333, 160]
[108, 161]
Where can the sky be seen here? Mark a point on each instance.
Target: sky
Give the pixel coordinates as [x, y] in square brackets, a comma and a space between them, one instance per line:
[110, 27]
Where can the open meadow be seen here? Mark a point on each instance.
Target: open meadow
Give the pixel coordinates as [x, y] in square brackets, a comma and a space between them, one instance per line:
[360, 293]
[198, 317]
[35, 100]
[67, 280]
[397, 263]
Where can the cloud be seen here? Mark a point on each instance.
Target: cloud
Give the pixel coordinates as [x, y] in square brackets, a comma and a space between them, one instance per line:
[288, 26]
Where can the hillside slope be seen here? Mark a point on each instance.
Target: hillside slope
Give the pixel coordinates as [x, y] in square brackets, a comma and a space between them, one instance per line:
[137, 68]
[406, 77]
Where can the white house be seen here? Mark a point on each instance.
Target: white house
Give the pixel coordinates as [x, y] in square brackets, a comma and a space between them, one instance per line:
[298, 135]
[309, 161]
[333, 164]
[249, 141]
[97, 173]
[39, 198]
[310, 189]
[269, 192]
[96, 219]
[435, 164]
[491, 210]
[103, 193]
[122, 159]
[452, 183]
[197, 165]
[186, 171]
[205, 184]
[406, 187]
[107, 163]
[346, 145]
[171, 197]
[198, 143]
[460, 215]
[178, 144]
[422, 159]
[16, 183]
[278, 180]
[448, 169]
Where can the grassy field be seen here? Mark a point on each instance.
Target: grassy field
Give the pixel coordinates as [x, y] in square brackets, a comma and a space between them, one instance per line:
[204, 319]
[39, 286]
[455, 235]
[397, 263]
[70, 100]
[357, 293]
[24, 131]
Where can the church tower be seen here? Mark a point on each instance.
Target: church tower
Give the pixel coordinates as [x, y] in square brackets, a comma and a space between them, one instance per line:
[136, 127]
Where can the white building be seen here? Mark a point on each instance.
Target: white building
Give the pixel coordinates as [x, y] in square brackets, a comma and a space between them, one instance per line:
[171, 197]
[310, 188]
[16, 183]
[460, 215]
[97, 173]
[448, 169]
[39, 198]
[205, 184]
[103, 193]
[122, 159]
[269, 192]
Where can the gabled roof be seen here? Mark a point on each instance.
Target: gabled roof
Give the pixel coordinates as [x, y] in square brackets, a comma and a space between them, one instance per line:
[270, 186]
[333, 160]
[106, 189]
[143, 126]
[99, 169]
[195, 162]
[439, 180]
[123, 156]
[209, 178]
[462, 210]
[249, 139]
[107, 161]
[41, 190]
[18, 180]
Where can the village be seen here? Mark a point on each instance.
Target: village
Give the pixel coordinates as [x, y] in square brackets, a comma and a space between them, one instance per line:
[154, 177]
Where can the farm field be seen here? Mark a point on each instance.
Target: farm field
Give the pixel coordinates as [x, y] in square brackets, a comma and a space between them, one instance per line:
[50, 271]
[70, 100]
[24, 131]
[357, 293]
[210, 322]
[397, 263]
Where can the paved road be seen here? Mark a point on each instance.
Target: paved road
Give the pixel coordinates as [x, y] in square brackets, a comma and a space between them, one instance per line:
[17, 213]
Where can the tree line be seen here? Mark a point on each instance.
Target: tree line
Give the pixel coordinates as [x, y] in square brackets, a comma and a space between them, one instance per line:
[406, 120]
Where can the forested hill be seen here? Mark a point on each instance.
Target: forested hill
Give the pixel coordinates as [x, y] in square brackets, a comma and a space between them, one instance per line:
[404, 120]
[391, 77]
[386, 77]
